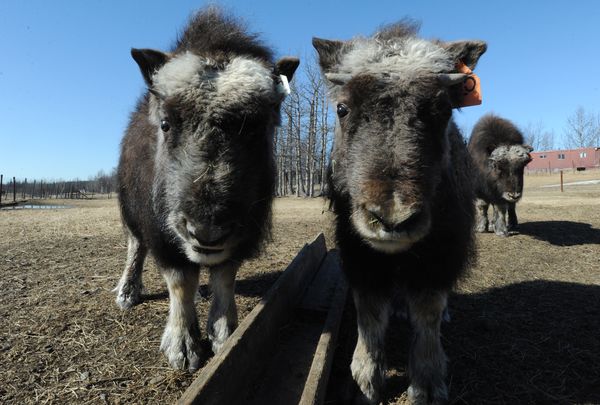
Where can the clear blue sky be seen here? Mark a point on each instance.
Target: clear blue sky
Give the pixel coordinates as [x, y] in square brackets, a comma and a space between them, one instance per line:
[68, 83]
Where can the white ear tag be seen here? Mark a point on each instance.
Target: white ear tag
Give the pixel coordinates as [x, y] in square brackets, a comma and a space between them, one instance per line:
[284, 86]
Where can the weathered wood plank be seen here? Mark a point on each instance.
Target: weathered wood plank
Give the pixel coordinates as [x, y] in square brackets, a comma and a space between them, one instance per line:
[319, 294]
[316, 382]
[227, 375]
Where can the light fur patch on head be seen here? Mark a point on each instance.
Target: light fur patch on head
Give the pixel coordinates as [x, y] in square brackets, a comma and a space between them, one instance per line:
[401, 57]
[179, 74]
[203, 82]
[513, 153]
[242, 79]
[200, 80]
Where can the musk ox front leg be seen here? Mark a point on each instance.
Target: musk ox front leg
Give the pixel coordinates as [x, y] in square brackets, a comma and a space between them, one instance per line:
[222, 318]
[513, 222]
[500, 219]
[129, 289]
[482, 216]
[181, 338]
[368, 361]
[427, 360]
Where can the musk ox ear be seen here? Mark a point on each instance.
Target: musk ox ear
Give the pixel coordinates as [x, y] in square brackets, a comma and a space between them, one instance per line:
[286, 66]
[330, 53]
[468, 52]
[149, 61]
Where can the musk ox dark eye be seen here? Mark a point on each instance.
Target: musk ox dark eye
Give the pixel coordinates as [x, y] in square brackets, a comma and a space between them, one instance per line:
[164, 125]
[342, 110]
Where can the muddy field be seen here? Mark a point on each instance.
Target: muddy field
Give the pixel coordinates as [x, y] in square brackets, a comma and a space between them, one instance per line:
[525, 325]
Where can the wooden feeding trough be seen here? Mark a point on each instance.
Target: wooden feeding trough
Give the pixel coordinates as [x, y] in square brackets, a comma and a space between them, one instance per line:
[282, 351]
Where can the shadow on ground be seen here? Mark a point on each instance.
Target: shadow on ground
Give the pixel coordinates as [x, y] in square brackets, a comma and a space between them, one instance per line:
[532, 342]
[254, 286]
[561, 233]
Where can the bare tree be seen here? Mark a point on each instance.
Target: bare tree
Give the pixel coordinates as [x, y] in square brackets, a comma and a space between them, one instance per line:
[312, 96]
[301, 143]
[583, 129]
[537, 136]
[325, 130]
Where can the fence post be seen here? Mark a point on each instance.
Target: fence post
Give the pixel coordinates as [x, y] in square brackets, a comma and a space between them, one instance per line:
[1, 178]
[561, 181]
[14, 189]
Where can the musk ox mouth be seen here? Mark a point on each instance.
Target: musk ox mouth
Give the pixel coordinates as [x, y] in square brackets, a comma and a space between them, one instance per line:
[207, 251]
[511, 197]
[201, 248]
[382, 236]
[206, 256]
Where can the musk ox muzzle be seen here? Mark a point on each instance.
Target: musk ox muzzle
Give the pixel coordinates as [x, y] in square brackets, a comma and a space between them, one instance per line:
[387, 219]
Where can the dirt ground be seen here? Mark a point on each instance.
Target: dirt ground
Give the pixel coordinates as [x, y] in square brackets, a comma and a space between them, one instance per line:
[62, 337]
[525, 325]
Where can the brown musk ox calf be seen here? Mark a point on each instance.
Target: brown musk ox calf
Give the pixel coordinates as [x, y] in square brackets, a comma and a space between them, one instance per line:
[400, 189]
[499, 157]
[196, 173]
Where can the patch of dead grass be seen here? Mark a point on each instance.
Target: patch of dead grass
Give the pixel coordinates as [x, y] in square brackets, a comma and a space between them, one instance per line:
[524, 330]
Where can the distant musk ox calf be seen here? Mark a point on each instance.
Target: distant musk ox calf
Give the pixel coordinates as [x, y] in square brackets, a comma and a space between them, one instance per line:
[500, 157]
[196, 173]
[400, 189]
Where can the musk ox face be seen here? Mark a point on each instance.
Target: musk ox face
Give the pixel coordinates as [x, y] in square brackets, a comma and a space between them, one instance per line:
[394, 99]
[506, 165]
[392, 136]
[214, 168]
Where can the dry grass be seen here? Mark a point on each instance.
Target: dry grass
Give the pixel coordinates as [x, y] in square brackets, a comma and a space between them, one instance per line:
[64, 340]
[525, 327]
[533, 181]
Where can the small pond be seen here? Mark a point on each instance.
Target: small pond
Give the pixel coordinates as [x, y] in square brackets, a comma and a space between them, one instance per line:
[28, 206]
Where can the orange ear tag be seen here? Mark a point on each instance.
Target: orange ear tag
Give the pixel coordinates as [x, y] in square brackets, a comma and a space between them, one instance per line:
[471, 86]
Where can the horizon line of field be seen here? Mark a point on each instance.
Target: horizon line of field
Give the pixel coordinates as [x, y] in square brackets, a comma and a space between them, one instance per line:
[22, 191]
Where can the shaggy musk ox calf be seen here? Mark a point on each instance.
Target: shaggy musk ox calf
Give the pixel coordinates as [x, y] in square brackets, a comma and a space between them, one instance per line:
[499, 157]
[400, 190]
[196, 173]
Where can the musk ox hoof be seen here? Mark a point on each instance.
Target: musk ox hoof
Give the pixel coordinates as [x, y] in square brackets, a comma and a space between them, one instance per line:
[128, 294]
[357, 397]
[218, 334]
[182, 348]
[481, 228]
[500, 230]
[420, 396]
[369, 379]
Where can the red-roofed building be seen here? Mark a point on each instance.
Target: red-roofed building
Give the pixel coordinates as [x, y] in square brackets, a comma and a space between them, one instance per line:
[552, 160]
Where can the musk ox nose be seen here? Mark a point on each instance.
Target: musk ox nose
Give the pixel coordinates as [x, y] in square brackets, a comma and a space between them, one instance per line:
[514, 196]
[208, 234]
[398, 222]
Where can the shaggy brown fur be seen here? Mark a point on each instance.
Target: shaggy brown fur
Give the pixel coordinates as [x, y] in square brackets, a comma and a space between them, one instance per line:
[401, 191]
[196, 173]
[499, 156]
